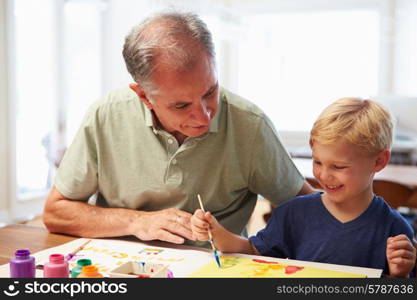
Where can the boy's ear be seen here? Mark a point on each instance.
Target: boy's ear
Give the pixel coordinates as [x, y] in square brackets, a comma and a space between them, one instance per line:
[141, 94]
[382, 160]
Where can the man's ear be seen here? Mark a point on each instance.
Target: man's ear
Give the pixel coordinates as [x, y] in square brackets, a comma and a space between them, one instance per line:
[141, 94]
[382, 160]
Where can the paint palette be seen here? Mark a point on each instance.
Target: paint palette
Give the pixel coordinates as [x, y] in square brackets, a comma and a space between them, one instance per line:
[138, 269]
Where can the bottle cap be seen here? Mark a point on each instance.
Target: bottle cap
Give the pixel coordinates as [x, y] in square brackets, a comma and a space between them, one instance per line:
[90, 270]
[84, 262]
[22, 253]
[56, 258]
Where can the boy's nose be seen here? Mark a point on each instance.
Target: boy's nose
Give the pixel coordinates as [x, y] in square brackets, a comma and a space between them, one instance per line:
[325, 174]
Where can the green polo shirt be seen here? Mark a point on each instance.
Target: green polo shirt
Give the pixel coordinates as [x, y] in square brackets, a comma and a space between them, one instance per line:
[132, 164]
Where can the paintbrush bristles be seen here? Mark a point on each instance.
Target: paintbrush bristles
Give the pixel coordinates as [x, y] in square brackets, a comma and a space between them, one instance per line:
[74, 252]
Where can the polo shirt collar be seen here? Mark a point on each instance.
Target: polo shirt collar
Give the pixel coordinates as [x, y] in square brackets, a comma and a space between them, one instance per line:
[149, 121]
[214, 124]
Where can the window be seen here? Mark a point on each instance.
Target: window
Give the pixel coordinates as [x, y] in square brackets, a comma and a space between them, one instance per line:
[293, 64]
[35, 92]
[82, 62]
[53, 74]
[57, 76]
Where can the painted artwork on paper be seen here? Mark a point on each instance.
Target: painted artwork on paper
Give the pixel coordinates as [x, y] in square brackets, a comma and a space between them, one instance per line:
[250, 267]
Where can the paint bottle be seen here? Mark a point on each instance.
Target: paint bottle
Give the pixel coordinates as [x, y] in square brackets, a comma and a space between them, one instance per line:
[57, 267]
[90, 272]
[78, 268]
[22, 265]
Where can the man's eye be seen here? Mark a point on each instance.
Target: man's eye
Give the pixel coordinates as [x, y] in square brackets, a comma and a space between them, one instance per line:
[180, 106]
[208, 95]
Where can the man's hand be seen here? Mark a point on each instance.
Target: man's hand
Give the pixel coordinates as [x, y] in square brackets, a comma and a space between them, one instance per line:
[170, 225]
[401, 256]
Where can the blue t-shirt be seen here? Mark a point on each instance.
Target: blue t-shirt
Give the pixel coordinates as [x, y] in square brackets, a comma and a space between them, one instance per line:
[304, 229]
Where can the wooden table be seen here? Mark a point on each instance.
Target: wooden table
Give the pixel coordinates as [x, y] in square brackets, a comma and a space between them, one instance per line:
[35, 239]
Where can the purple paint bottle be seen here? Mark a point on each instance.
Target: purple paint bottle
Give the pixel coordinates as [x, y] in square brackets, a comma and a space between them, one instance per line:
[22, 265]
[57, 267]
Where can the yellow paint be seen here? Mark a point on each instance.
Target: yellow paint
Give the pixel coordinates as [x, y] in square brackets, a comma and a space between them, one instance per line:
[170, 259]
[119, 255]
[246, 267]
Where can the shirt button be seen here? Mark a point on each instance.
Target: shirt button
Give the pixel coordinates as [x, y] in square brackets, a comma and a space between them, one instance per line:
[170, 141]
[174, 161]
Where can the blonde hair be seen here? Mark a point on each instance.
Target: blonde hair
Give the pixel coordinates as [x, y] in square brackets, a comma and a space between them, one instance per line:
[362, 122]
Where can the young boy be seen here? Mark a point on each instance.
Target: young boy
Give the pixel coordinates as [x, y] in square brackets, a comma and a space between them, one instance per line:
[346, 223]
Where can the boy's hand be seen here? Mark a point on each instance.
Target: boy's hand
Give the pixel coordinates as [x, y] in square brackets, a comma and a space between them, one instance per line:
[401, 255]
[200, 222]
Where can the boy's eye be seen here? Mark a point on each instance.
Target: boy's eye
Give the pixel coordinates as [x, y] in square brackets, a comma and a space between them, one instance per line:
[339, 167]
[317, 162]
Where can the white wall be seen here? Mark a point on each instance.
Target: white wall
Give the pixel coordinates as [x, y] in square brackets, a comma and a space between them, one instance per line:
[405, 71]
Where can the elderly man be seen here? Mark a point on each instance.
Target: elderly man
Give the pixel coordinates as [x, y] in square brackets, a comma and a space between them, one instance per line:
[149, 150]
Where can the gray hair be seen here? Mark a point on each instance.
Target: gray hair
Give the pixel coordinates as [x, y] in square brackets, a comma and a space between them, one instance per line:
[165, 39]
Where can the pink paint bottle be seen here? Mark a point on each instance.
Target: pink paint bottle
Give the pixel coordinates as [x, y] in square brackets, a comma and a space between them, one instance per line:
[57, 267]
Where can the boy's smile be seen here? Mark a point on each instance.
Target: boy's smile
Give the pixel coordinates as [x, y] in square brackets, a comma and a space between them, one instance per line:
[332, 188]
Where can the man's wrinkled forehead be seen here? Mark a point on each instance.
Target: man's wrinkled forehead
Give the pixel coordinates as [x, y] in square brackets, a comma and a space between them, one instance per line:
[172, 98]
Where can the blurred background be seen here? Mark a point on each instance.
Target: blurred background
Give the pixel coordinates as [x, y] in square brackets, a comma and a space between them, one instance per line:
[290, 57]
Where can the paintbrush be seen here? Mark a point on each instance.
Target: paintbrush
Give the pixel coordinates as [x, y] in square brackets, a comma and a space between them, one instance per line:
[216, 255]
[72, 253]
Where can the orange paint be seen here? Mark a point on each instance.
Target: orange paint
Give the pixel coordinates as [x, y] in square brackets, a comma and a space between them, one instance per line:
[90, 272]
[292, 269]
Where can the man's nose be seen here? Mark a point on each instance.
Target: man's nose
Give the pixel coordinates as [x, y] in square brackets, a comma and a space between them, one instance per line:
[202, 114]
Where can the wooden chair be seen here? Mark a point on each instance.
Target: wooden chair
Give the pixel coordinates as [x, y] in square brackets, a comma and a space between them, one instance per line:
[313, 182]
[395, 194]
